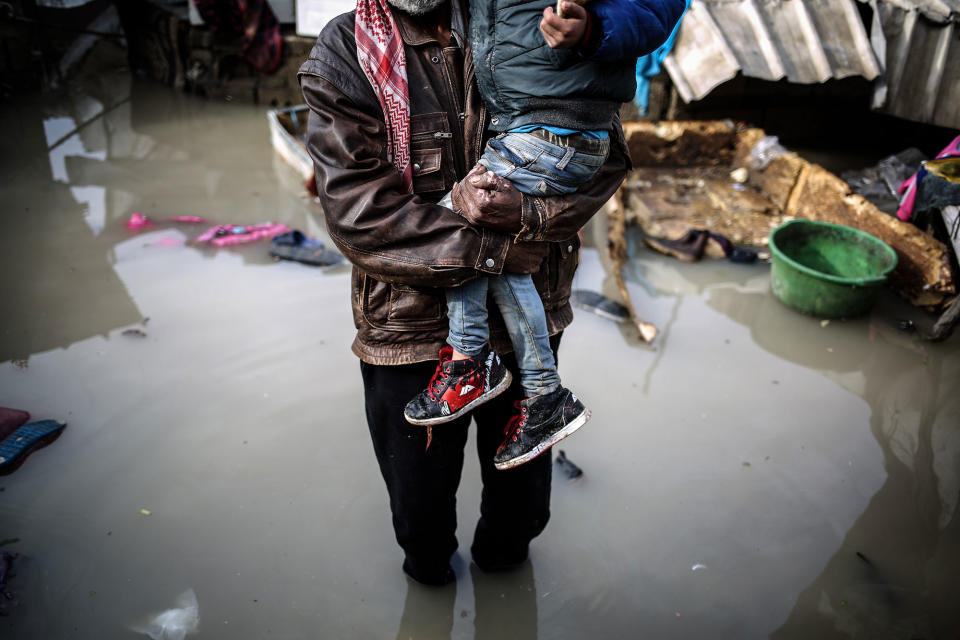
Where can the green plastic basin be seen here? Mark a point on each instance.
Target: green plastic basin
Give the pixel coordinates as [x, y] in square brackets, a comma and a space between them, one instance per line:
[828, 270]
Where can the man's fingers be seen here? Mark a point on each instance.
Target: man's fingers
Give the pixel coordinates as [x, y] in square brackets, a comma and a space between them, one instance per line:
[487, 180]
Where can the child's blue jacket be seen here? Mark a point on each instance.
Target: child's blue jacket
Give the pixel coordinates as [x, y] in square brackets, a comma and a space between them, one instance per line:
[523, 81]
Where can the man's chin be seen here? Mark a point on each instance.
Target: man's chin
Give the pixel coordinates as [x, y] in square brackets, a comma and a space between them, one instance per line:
[416, 7]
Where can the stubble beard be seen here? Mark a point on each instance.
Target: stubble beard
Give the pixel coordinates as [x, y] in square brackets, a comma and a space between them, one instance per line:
[416, 7]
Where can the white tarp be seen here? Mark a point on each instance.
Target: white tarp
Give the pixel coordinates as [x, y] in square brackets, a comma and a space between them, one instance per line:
[312, 15]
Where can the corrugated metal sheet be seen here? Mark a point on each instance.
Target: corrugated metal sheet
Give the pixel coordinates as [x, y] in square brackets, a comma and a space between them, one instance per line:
[938, 10]
[804, 41]
[922, 61]
[916, 42]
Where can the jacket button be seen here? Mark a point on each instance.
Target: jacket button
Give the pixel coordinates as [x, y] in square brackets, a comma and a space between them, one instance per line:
[494, 120]
[569, 246]
[489, 263]
[416, 166]
[435, 59]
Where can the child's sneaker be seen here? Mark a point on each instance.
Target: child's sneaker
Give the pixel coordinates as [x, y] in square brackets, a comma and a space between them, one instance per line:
[541, 422]
[457, 387]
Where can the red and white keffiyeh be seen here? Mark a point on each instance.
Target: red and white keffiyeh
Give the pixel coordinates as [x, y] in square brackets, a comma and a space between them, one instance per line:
[381, 56]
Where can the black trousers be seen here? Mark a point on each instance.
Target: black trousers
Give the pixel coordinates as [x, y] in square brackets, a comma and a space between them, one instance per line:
[422, 483]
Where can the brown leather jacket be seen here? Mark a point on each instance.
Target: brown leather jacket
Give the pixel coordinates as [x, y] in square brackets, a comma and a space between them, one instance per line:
[404, 247]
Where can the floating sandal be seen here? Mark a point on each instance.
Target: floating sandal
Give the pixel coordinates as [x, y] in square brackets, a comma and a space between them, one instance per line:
[600, 305]
[299, 248]
[15, 448]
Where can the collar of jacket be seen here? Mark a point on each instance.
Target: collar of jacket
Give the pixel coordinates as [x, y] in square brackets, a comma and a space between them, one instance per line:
[413, 33]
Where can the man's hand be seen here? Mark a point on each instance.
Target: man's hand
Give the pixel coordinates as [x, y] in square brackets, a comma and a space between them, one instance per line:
[487, 200]
[565, 32]
[525, 257]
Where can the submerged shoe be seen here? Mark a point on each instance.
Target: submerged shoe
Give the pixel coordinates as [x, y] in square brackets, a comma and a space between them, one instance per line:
[295, 246]
[689, 248]
[457, 387]
[541, 422]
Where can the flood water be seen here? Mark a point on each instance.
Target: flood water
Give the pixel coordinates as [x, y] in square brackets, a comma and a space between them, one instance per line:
[752, 474]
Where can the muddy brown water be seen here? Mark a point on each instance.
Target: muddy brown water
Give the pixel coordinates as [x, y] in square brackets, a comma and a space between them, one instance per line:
[752, 474]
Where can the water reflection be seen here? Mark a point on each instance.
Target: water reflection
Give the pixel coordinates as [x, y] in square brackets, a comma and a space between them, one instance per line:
[79, 162]
[894, 571]
[504, 606]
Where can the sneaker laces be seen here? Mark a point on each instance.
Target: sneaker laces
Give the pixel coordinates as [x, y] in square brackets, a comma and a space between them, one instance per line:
[436, 382]
[516, 422]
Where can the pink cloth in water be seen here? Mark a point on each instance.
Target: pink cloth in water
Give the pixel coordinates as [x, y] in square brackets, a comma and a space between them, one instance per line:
[225, 235]
[139, 221]
[905, 211]
[190, 219]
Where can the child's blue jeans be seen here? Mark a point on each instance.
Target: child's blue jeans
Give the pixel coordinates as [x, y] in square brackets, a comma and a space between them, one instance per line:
[542, 164]
[522, 311]
[537, 165]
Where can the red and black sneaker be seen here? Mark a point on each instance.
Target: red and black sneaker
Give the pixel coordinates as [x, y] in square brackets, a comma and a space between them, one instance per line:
[540, 422]
[457, 387]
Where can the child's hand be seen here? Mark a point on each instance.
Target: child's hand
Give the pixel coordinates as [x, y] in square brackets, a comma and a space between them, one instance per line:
[565, 32]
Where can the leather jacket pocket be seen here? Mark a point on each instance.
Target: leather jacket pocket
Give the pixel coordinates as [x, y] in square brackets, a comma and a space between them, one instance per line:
[426, 169]
[430, 151]
[398, 307]
[555, 278]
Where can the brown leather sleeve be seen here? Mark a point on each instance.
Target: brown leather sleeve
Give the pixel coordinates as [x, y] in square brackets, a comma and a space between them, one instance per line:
[557, 218]
[391, 235]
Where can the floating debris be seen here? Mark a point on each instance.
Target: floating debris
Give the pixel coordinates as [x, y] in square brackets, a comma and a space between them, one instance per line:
[175, 623]
[573, 471]
[136, 333]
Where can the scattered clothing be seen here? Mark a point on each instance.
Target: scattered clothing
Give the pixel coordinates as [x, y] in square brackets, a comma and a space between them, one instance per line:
[734, 254]
[17, 446]
[295, 246]
[691, 246]
[226, 235]
[937, 188]
[879, 184]
[139, 221]
[908, 190]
